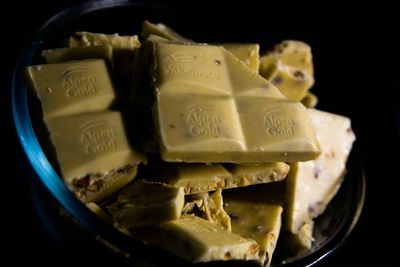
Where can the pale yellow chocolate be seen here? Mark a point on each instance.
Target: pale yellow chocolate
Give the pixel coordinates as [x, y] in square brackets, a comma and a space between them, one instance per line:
[244, 175]
[300, 242]
[197, 178]
[198, 240]
[296, 54]
[211, 108]
[256, 213]
[118, 42]
[310, 100]
[157, 39]
[247, 53]
[261, 222]
[311, 185]
[98, 186]
[144, 203]
[124, 47]
[72, 87]
[209, 207]
[94, 154]
[289, 67]
[194, 178]
[292, 82]
[161, 30]
[67, 54]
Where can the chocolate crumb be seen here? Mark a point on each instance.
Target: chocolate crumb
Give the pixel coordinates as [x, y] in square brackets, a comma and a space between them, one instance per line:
[299, 74]
[266, 256]
[227, 255]
[317, 171]
[277, 80]
[96, 186]
[311, 209]
[83, 182]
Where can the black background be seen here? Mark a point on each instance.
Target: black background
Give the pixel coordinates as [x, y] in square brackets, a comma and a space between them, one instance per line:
[356, 57]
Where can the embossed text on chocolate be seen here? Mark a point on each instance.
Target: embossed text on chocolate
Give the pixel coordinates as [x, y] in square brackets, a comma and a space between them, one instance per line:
[202, 120]
[278, 124]
[78, 82]
[190, 71]
[98, 136]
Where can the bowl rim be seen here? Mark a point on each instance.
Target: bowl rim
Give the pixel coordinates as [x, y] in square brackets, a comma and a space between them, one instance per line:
[44, 171]
[30, 145]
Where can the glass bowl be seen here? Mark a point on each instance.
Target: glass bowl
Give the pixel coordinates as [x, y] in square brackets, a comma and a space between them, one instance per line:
[125, 17]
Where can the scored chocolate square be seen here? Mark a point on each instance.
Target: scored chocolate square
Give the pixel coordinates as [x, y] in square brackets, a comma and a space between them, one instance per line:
[72, 87]
[211, 108]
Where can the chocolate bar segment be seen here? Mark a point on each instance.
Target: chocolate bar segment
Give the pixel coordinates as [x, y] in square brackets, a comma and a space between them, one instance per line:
[71, 87]
[124, 47]
[244, 175]
[198, 240]
[211, 108]
[247, 53]
[144, 203]
[259, 221]
[82, 39]
[161, 30]
[312, 185]
[198, 178]
[290, 68]
[194, 178]
[299, 242]
[94, 154]
[256, 213]
[67, 54]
